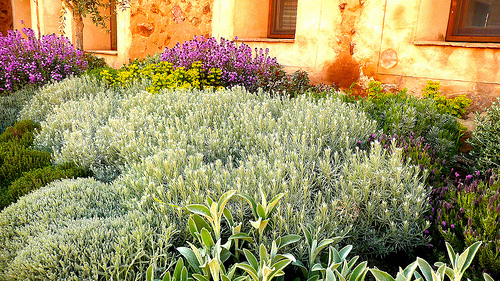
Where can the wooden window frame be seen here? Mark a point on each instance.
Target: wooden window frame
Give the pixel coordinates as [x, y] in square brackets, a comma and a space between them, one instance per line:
[113, 28]
[458, 33]
[273, 31]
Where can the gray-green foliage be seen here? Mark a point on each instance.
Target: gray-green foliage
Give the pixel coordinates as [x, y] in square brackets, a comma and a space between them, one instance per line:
[485, 139]
[78, 230]
[183, 146]
[11, 105]
[51, 95]
[384, 197]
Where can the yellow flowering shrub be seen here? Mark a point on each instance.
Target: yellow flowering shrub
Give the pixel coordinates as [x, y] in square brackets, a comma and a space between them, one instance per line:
[164, 75]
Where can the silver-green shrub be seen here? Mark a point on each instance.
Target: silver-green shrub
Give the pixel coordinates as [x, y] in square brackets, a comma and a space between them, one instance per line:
[180, 146]
[79, 230]
[51, 95]
[385, 198]
[11, 104]
[485, 139]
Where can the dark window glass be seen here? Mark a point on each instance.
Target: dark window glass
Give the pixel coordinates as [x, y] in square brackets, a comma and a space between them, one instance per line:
[474, 21]
[282, 18]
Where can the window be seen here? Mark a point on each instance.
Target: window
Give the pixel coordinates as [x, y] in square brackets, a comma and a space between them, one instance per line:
[474, 21]
[282, 18]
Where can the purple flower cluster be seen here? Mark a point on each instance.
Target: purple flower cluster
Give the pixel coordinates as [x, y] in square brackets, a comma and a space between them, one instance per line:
[238, 64]
[26, 59]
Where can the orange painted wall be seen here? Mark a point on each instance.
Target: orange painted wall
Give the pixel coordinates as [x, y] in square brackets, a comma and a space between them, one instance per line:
[399, 42]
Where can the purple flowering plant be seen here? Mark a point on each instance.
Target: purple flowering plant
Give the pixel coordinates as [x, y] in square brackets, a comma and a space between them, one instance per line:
[26, 59]
[467, 210]
[239, 65]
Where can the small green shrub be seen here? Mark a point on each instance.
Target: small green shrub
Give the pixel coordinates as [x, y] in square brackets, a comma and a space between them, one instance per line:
[404, 115]
[37, 178]
[16, 156]
[22, 133]
[16, 159]
[94, 62]
[279, 82]
[485, 139]
[456, 107]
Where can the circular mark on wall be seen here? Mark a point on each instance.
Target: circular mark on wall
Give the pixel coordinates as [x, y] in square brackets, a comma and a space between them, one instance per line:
[389, 58]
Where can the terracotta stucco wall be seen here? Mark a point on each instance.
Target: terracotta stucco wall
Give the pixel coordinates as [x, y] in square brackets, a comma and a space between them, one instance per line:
[414, 34]
[5, 17]
[332, 42]
[156, 24]
[396, 41]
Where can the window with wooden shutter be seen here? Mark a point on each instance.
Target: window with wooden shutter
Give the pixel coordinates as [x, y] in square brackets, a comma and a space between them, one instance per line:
[474, 21]
[282, 18]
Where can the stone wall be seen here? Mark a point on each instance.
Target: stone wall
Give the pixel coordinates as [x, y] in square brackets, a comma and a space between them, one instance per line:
[5, 16]
[156, 24]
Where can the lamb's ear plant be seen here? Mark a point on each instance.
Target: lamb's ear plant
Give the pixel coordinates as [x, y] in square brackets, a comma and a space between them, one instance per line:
[180, 273]
[314, 249]
[268, 266]
[262, 211]
[459, 264]
[339, 268]
[402, 275]
[212, 211]
[205, 226]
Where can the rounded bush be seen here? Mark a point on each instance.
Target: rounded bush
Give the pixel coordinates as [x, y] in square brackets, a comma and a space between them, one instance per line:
[48, 97]
[79, 230]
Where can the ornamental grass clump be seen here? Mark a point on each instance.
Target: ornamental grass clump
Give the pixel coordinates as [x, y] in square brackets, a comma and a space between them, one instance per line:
[26, 59]
[238, 64]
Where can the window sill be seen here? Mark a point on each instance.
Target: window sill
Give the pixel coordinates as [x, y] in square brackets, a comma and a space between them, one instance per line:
[458, 44]
[265, 40]
[103, 52]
